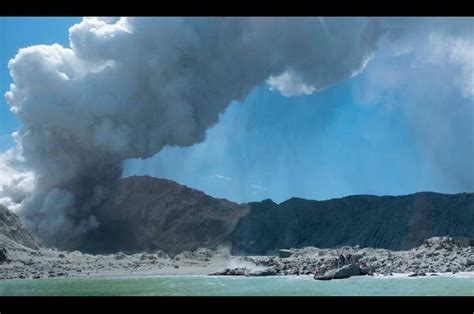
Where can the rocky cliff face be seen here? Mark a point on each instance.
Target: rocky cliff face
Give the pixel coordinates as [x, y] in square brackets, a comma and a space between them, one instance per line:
[12, 228]
[391, 222]
[150, 214]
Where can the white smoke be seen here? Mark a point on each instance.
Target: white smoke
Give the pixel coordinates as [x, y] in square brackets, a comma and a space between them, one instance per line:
[424, 68]
[15, 181]
[127, 87]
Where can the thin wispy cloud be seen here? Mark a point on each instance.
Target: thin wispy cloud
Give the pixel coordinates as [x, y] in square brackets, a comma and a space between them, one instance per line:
[222, 177]
[258, 187]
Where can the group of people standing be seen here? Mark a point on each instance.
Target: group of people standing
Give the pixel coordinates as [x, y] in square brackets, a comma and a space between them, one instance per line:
[342, 260]
[345, 260]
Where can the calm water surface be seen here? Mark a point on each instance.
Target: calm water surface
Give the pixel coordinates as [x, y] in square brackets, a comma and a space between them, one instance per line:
[238, 286]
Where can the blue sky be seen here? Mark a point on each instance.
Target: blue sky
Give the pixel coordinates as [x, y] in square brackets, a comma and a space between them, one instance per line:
[318, 146]
[341, 141]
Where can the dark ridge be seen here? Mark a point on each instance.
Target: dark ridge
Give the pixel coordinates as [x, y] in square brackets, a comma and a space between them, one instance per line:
[150, 214]
[392, 222]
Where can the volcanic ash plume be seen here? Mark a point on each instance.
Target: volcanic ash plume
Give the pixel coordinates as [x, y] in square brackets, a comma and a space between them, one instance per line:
[127, 87]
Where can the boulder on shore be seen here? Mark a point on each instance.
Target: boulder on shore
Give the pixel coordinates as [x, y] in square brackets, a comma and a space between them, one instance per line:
[3, 255]
[271, 271]
[367, 270]
[284, 253]
[417, 274]
[341, 273]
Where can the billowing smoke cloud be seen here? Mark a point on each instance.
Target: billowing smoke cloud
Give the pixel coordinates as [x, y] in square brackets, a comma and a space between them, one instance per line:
[127, 87]
[425, 69]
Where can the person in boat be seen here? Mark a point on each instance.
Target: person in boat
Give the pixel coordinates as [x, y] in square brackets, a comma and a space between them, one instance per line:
[321, 270]
[342, 260]
[349, 258]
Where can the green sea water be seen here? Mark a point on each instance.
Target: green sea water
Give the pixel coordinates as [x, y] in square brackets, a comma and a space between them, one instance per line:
[238, 286]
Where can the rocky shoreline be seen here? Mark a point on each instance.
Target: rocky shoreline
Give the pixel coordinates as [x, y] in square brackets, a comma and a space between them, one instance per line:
[20, 262]
[436, 255]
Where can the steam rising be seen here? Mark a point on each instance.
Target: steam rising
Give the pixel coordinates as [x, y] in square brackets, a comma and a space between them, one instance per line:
[126, 88]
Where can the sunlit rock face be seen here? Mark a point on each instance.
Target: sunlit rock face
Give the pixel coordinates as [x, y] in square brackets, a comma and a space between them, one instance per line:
[12, 228]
